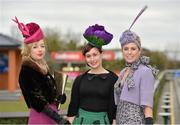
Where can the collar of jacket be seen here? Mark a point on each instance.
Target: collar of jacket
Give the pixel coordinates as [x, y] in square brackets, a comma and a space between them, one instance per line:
[28, 62]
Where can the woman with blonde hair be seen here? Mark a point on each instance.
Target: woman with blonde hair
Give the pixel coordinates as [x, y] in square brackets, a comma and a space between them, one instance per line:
[135, 85]
[37, 84]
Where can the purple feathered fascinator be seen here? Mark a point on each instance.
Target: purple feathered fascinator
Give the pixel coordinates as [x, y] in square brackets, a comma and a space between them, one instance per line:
[129, 36]
[97, 36]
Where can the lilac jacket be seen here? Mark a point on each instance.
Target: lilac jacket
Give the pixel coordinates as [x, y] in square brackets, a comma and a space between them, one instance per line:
[142, 93]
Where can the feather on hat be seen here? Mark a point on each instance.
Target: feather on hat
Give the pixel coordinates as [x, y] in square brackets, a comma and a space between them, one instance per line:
[130, 36]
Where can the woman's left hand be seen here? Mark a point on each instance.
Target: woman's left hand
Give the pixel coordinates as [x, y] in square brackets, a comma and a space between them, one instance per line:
[61, 98]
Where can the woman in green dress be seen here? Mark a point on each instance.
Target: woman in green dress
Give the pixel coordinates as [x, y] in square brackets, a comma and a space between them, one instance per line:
[92, 97]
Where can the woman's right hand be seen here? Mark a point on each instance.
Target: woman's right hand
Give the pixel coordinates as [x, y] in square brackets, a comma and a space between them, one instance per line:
[65, 122]
[71, 119]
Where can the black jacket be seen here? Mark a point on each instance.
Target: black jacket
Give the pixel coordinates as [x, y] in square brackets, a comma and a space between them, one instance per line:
[76, 98]
[38, 89]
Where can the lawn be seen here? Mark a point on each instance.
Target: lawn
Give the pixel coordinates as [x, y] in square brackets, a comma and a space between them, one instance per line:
[20, 106]
[13, 106]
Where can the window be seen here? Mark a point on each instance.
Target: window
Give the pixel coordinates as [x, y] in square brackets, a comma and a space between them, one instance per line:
[3, 63]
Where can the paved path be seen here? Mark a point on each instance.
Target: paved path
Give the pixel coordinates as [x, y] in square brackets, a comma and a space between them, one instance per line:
[22, 114]
[6, 95]
[165, 91]
[177, 100]
[171, 88]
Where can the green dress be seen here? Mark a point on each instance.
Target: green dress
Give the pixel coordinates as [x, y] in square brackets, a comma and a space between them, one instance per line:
[91, 118]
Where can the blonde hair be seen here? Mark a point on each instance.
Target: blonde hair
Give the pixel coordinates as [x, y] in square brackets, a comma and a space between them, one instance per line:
[25, 52]
[26, 49]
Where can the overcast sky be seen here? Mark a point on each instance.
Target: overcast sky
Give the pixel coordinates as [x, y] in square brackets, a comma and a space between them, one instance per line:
[158, 26]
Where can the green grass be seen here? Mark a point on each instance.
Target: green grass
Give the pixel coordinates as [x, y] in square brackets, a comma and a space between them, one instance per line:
[20, 105]
[14, 121]
[13, 106]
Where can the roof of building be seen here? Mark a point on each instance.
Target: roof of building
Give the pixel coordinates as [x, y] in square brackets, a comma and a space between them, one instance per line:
[8, 42]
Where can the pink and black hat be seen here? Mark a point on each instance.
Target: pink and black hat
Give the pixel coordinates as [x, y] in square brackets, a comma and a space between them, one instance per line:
[31, 31]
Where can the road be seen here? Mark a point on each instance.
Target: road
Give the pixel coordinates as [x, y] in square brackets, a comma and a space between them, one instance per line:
[172, 90]
[176, 86]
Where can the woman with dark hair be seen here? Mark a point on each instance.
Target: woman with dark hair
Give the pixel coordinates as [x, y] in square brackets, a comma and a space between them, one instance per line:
[37, 84]
[92, 98]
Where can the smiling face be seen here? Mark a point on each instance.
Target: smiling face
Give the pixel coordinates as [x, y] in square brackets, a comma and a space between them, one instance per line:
[38, 50]
[131, 52]
[93, 58]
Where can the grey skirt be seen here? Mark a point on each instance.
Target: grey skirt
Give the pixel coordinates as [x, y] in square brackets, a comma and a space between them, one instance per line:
[129, 113]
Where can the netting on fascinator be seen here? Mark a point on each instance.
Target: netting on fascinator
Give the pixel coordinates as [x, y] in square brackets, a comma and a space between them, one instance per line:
[130, 36]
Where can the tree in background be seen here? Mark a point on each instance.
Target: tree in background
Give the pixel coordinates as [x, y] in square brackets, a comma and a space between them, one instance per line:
[57, 42]
[53, 40]
[157, 59]
[72, 42]
[115, 65]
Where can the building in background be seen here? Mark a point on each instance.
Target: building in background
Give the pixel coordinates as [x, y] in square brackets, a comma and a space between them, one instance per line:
[10, 59]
